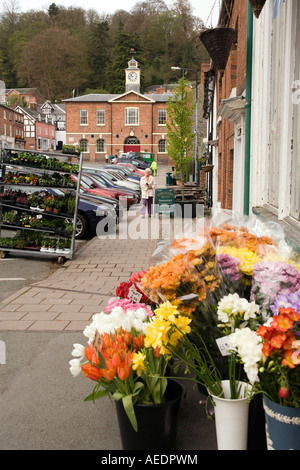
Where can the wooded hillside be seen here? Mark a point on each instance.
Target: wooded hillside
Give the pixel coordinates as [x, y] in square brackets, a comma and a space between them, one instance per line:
[62, 49]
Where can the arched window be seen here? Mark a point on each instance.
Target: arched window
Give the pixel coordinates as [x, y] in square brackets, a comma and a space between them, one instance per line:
[131, 141]
[84, 145]
[100, 145]
[162, 146]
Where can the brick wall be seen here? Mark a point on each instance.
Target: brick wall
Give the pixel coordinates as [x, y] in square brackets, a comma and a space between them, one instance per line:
[114, 132]
[234, 76]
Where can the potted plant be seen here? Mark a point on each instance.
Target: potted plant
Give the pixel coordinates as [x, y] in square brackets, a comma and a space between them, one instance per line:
[147, 402]
[44, 244]
[52, 244]
[67, 246]
[180, 138]
[49, 203]
[10, 217]
[57, 205]
[60, 245]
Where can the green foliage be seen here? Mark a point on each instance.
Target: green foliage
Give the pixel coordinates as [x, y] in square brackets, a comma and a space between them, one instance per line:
[66, 48]
[180, 135]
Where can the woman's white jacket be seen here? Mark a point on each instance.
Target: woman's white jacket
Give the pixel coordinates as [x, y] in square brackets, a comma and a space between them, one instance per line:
[146, 193]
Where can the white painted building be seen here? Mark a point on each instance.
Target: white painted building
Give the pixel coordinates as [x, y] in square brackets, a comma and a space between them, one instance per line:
[275, 120]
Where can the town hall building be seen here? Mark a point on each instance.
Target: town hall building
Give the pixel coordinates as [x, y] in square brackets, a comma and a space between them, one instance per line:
[108, 124]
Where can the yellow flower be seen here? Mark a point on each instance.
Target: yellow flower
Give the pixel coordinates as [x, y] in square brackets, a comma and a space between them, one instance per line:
[167, 328]
[157, 334]
[247, 258]
[182, 323]
[166, 311]
[138, 362]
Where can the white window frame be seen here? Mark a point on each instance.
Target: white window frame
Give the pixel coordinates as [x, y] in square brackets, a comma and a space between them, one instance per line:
[100, 117]
[84, 117]
[132, 116]
[104, 146]
[83, 146]
[162, 143]
[162, 117]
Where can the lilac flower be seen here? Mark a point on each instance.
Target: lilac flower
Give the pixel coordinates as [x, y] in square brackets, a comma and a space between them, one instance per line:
[229, 266]
[271, 278]
[291, 300]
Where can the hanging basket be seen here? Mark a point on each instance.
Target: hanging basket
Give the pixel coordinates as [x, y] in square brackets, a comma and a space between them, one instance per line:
[218, 42]
[207, 168]
[257, 6]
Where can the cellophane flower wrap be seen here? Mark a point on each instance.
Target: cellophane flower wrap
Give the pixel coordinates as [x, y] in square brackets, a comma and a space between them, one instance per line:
[125, 354]
[241, 266]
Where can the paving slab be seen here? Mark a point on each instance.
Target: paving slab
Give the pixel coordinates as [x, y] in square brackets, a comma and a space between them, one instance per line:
[41, 404]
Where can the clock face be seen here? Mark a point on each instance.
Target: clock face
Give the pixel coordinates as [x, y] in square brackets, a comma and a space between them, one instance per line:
[132, 76]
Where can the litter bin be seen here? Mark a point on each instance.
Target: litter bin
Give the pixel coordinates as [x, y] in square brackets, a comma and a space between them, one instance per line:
[169, 179]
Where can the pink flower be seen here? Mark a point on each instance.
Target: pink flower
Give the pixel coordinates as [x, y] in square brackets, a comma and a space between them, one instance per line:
[126, 304]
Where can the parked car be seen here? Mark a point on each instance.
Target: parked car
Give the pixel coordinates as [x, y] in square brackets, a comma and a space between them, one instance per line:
[131, 196]
[129, 173]
[133, 167]
[108, 200]
[114, 181]
[136, 161]
[125, 197]
[90, 213]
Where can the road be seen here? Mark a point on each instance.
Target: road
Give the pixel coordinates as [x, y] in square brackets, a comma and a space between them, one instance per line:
[20, 271]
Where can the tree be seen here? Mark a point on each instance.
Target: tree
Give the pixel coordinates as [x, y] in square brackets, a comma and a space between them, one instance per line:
[54, 61]
[99, 53]
[180, 135]
[124, 42]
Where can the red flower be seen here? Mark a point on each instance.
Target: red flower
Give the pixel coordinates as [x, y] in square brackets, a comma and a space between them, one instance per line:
[284, 393]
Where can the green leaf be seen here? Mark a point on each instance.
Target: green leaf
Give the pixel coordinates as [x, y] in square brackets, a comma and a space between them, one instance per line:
[129, 409]
[93, 396]
[137, 388]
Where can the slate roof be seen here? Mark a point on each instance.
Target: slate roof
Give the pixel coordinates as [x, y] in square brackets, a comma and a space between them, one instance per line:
[103, 97]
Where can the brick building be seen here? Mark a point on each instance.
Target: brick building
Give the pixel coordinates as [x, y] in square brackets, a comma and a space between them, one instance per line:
[252, 108]
[39, 134]
[111, 124]
[11, 127]
[23, 96]
[224, 107]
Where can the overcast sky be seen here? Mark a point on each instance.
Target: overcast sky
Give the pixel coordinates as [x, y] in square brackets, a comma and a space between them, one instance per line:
[201, 8]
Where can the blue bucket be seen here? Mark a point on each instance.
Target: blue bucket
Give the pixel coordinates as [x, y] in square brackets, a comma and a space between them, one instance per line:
[282, 426]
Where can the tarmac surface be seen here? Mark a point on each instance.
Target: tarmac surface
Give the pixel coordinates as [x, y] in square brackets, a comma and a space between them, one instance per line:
[41, 403]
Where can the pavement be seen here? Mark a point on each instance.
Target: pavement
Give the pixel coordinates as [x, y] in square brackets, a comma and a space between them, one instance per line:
[41, 403]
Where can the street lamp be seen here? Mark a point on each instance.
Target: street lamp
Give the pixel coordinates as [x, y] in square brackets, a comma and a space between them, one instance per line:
[196, 140]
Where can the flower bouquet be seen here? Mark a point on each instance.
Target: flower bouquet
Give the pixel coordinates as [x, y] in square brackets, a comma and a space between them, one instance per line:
[131, 290]
[271, 359]
[125, 354]
[182, 280]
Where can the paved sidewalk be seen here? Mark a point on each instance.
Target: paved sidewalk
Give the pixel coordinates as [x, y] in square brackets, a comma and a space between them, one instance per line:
[41, 405]
[68, 298]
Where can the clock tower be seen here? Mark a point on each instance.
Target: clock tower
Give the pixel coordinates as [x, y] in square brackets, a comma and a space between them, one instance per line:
[133, 74]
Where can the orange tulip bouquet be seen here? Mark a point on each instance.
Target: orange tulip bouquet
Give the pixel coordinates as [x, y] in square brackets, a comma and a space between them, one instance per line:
[125, 354]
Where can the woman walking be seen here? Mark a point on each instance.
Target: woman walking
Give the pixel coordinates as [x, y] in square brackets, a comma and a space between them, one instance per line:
[147, 184]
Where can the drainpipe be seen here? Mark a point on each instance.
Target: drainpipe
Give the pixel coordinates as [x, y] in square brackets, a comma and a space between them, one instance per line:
[248, 108]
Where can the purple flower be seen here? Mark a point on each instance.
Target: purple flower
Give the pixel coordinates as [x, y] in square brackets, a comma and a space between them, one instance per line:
[271, 278]
[229, 266]
[291, 300]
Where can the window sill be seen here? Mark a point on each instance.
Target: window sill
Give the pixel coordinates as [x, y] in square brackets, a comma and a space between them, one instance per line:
[290, 226]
